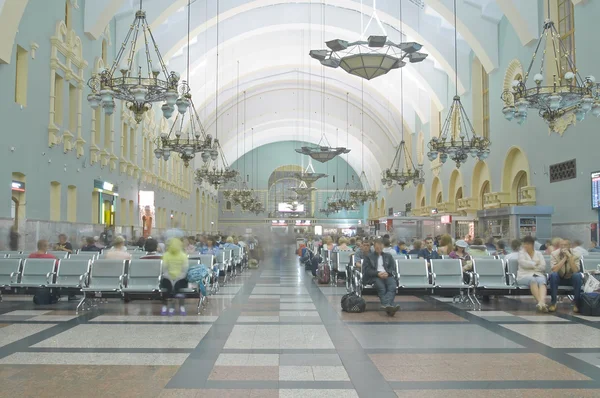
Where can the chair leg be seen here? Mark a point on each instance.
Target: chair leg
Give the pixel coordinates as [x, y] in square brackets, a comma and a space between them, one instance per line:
[477, 302]
[81, 303]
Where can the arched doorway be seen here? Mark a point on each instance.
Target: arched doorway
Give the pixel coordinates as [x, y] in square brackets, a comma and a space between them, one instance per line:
[480, 182]
[436, 191]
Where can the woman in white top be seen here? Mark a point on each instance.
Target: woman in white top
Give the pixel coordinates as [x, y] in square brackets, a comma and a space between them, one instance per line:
[532, 272]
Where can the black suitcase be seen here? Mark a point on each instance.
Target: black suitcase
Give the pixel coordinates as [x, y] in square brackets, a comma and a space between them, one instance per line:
[590, 304]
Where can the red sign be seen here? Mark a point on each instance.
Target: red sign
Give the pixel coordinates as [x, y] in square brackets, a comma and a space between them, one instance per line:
[446, 219]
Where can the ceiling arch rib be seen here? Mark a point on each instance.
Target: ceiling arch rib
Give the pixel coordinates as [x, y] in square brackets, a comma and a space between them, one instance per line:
[523, 18]
[480, 33]
[255, 61]
[285, 99]
[171, 32]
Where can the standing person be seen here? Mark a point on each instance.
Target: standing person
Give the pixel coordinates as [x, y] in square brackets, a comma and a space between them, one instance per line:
[63, 244]
[531, 272]
[379, 268]
[118, 252]
[175, 267]
[13, 239]
[427, 253]
[565, 271]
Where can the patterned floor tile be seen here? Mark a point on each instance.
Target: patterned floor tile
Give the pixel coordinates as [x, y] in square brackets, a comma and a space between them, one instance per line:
[554, 335]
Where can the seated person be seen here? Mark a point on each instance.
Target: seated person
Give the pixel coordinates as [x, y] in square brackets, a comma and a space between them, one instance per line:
[515, 246]
[427, 253]
[416, 248]
[387, 246]
[478, 249]
[460, 253]
[42, 248]
[500, 249]
[579, 250]
[379, 268]
[565, 272]
[401, 247]
[118, 252]
[531, 272]
[362, 253]
[175, 267]
[90, 245]
[151, 248]
[63, 244]
[343, 245]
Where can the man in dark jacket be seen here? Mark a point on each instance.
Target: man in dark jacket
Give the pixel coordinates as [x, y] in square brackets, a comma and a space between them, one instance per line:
[379, 268]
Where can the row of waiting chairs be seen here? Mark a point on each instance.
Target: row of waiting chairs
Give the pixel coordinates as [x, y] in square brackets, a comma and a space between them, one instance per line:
[99, 278]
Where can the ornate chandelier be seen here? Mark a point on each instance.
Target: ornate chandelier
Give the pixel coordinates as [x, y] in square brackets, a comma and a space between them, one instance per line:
[322, 153]
[457, 139]
[566, 94]
[309, 176]
[188, 144]
[139, 89]
[303, 190]
[371, 58]
[402, 172]
[363, 194]
[211, 172]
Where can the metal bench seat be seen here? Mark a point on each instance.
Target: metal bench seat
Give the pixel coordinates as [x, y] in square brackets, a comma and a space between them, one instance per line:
[143, 276]
[413, 274]
[448, 275]
[72, 273]
[37, 272]
[490, 274]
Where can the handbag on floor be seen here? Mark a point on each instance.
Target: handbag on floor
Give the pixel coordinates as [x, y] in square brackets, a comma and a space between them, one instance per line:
[323, 273]
[591, 284]
[590, 304]
[352, 303]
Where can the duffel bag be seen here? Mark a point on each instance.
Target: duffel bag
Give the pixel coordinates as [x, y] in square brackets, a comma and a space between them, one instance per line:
[352, 303]
[45, 297]
[590, 304]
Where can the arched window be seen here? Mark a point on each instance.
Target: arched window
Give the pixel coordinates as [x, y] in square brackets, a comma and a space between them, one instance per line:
[439, 198]
[521, 183]
[228, 205]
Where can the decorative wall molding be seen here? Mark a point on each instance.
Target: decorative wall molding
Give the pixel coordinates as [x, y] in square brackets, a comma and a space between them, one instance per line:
[33, 48]
[513, 71]
[67, 56]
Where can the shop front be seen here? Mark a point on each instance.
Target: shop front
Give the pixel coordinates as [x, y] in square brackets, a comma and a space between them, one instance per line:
[105, 197]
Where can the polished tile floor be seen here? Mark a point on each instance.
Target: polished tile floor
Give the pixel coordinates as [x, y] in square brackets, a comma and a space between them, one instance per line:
[272, 332]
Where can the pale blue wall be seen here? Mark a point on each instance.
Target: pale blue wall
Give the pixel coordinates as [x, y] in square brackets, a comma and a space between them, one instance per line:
[269, 157]
[571, 199]
[27, 129]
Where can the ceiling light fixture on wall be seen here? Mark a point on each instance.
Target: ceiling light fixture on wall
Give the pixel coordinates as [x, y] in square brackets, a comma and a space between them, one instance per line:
[138, 88]
[195, 140]
[371, 58]
[457, 139]
[567, 94]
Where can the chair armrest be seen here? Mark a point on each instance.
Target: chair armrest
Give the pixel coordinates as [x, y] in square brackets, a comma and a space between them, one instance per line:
[512, 279]
[48, 275]
[433, 277]
[476, 279]
[83, 279]
[121, 280]
[12, 275]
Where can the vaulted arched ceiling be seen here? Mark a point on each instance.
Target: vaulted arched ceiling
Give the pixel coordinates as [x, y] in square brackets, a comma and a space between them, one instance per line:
[271, 38]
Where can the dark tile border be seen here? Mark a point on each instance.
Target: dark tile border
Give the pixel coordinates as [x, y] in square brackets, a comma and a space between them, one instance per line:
[495, 385]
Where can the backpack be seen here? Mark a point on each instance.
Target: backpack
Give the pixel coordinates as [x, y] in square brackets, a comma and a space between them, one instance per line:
[323, 273]
[352, 303]
[45, 297]
[197, 273]
[590, 304]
